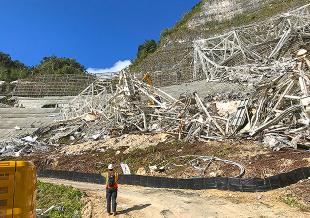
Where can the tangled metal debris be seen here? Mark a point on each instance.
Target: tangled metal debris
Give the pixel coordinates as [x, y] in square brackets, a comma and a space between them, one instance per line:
[279, 106]
[277, 113]
[283, 105]
[251, 50]
[202, 163]
[136, 106]
[18, 147]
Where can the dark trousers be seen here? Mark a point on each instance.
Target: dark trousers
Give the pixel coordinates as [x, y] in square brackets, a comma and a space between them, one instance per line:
[111, 195]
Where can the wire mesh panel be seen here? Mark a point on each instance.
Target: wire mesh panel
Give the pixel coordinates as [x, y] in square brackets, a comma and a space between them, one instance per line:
[53, 85]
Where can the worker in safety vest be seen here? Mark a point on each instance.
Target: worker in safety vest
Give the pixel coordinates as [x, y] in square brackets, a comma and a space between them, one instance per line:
[111, 189]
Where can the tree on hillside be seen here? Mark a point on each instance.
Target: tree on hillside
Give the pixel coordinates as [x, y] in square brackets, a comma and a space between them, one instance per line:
[148, 47]
[56, 65]
[12, 70]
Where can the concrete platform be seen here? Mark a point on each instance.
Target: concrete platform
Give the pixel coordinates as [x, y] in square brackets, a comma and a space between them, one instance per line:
[60, 101]
[29, 120]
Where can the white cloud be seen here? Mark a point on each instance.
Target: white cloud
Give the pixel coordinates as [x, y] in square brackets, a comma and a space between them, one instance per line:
[118, 66]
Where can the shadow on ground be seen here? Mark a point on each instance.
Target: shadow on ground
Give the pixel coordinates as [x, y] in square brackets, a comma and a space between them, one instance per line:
[134, 208]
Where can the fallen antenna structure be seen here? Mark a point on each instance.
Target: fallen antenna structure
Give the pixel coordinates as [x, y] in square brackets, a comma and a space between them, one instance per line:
[251, 49]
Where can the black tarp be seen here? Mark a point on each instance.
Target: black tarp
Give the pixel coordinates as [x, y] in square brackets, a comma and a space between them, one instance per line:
[221, 183]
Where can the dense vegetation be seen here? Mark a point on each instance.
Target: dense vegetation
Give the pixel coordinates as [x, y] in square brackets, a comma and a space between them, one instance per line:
[56, 65]
[148, 47]
[11, 70]
[67, 197]
[182, 23]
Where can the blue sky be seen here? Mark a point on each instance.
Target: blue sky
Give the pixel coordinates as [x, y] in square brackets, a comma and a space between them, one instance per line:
[98, 33]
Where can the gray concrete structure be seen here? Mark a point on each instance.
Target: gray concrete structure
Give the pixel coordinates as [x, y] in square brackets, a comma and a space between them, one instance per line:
[27, 119]
[58, 101]
[209, 89]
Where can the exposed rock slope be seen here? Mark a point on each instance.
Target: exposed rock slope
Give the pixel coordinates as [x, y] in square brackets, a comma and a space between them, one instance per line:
[172, 63]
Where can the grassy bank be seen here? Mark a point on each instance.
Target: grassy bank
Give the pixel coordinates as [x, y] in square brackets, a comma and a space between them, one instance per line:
[67, 197]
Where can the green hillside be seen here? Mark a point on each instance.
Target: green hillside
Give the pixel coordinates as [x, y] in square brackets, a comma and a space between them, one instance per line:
[181, 30]
[11, 70]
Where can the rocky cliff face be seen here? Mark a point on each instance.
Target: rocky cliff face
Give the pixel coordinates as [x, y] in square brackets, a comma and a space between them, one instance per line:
[219, 10]
[172, 63]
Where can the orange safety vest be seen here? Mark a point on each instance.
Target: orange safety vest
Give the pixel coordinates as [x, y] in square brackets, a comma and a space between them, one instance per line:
[107, 180]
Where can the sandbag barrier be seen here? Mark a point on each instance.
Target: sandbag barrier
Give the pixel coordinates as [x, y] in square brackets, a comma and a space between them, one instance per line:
[220, 183]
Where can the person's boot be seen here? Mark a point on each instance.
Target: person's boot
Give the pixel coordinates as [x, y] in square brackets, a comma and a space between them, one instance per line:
[114, 214]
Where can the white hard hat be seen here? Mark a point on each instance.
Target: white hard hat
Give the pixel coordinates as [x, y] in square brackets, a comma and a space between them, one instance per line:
[110, 167]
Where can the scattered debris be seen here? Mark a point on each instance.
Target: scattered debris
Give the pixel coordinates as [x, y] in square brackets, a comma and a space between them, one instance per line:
[43, 213]
[129, 142]
[18, 147]
[153, 168]
[200, 163]
[277, 112]
[280, 107]
[141, 171]
[29, 139]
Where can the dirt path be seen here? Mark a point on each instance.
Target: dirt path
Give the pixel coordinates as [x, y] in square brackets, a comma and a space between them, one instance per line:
[149, 202]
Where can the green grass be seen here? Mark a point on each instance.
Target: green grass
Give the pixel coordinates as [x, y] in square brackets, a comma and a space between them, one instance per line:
[294, 202]
[68, 197]
[181, 25]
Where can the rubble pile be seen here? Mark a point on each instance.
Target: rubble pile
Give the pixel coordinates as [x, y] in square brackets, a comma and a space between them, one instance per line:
[244, 54]
[278, 111]
[128, 141]
[282, 107]
[138, 107]
[21, 147]
[259, 56]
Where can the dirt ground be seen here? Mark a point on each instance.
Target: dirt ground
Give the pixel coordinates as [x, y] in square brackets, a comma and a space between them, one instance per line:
[95, 156]
[148, 202]
[258, 161]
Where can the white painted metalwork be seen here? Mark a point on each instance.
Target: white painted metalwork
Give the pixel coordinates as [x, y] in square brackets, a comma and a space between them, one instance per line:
[253, 48]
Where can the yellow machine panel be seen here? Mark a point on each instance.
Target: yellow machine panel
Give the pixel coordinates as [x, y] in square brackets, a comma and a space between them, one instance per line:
[17, 189]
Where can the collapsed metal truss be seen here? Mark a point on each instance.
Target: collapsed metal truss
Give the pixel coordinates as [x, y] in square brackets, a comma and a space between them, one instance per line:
[280, 106]
[93, 100]
[137, 106]
[251, 49]
[132, 102]
[283, 103]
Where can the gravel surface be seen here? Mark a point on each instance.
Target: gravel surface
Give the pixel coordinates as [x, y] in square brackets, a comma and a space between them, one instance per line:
[204, 89]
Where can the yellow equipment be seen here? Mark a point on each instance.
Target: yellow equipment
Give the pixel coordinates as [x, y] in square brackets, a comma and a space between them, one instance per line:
[17, 189]
[147, 79]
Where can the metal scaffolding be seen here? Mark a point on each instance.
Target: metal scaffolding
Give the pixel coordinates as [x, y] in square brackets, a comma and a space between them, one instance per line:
[93, 100]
